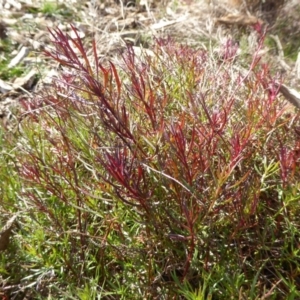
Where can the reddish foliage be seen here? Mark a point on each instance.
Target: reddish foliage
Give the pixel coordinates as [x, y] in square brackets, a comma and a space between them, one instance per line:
[174, 135]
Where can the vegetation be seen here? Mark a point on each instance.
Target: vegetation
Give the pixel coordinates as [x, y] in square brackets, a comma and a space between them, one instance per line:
[171, 173]
[6, 72]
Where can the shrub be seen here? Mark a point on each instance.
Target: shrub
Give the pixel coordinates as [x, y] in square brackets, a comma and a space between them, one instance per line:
[161, 174]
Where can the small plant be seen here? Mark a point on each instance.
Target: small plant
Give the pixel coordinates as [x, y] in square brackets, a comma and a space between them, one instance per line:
[49, 7]
[147, 173]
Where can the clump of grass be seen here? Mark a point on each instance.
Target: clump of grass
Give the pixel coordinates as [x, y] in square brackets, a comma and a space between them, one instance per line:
[49, 7]
[165, 173]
